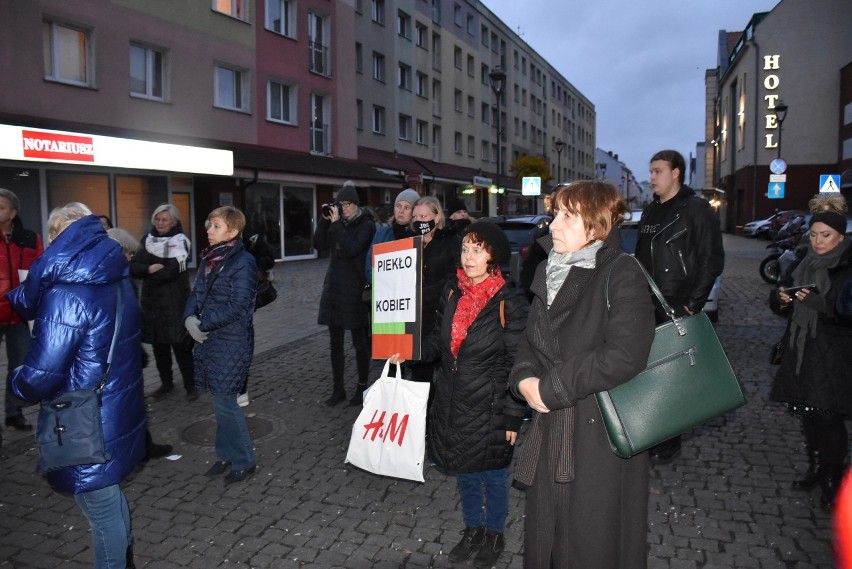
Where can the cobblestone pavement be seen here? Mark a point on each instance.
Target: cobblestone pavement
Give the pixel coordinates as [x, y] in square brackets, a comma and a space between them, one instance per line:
[726, 502]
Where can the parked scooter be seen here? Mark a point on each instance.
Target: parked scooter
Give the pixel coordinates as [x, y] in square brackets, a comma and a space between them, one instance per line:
[771, 268]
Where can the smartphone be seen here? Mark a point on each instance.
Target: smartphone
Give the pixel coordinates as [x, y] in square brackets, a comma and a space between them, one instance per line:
[794, 289]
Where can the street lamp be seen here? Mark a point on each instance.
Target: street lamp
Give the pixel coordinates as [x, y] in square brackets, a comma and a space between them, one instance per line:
[780, 115]
[602, 166]
[560, 146]
[498, 82]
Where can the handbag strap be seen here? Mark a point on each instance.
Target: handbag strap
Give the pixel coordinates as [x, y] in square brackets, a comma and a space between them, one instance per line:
[654, 288]
[119, 309]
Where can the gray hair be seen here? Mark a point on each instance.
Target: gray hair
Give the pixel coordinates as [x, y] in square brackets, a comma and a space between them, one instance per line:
[172, 210]
[61, 217]
[14, 202]
[125, 239]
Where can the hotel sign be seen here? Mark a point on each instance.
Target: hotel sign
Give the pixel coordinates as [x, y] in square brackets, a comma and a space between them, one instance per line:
[770, 83]
[38, 145]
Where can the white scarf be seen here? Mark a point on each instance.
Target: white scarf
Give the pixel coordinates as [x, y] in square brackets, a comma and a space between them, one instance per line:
[174, 247]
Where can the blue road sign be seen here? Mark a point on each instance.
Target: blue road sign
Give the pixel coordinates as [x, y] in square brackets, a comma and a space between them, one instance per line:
[829, 184]
[778, 166]
[776, 190]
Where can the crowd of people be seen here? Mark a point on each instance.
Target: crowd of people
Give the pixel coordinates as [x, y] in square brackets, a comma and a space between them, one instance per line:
[494, 352]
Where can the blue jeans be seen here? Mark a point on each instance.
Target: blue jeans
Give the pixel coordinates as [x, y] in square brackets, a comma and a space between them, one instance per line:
[17, 344]
[108, 514]
[493, 487]
[233, 442]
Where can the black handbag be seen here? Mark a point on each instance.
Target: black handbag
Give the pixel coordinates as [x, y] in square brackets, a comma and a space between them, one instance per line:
[688, 381]
[266, 294]
[70, 431]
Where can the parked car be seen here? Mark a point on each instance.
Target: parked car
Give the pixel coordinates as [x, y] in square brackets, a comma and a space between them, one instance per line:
[630, 230]
[520, 231]
[758, 228]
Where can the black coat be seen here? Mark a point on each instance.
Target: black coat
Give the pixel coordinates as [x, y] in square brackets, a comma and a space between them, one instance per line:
[825, 377]
[341, 304]
[577, 347]
[472, 409]
[164, 294]
[440, 261]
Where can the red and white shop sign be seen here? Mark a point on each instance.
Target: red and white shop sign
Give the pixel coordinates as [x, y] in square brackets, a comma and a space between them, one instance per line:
[52, 146]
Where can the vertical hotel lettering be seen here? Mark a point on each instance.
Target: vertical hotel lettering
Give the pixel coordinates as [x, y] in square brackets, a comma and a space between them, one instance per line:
[770, 83]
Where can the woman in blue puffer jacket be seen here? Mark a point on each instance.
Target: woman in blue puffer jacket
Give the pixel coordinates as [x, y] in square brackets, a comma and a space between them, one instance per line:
[218, 315]
[71, 295]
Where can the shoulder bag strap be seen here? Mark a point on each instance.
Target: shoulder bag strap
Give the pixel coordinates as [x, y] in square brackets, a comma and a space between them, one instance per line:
[654, 288]
[119, 309]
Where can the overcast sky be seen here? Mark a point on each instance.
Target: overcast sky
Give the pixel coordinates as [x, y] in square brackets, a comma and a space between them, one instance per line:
[641, 63]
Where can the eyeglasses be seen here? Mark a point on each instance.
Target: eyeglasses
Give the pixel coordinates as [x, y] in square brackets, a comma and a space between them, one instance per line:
[345, 204]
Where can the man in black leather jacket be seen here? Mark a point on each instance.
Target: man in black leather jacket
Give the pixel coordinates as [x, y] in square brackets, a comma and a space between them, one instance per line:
[680, 244]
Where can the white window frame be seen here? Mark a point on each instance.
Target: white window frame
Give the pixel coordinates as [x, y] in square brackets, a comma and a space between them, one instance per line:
[153, 70]
[319, 43]
[286, 23]
[377, 10]
[379, 119]
[421, 35]
[421, 85]
[421, 132]
[403, 25]
[403, 77]
[63, 64]
[404, 128]
[238, 84]
[457, 142]
[320, 121]
[379, 66]
[273, 106]
[234, 8]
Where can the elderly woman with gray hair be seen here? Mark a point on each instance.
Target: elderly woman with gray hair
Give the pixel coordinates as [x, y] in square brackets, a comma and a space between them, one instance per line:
[160, 264]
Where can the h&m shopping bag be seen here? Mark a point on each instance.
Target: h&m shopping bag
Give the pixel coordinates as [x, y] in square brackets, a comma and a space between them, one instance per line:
[389, 436]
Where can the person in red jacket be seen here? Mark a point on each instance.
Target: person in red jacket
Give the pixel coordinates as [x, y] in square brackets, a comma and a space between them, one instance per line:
[20, 247]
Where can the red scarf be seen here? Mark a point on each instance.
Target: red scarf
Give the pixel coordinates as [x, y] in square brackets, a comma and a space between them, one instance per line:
[473, 300]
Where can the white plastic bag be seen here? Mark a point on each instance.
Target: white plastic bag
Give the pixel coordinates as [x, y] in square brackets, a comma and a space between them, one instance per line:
[389, 436]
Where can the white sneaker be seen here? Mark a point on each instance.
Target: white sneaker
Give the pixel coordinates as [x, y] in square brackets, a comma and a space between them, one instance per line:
[243, 400]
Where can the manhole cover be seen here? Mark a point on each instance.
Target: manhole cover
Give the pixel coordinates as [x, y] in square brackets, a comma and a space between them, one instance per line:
[204, 432]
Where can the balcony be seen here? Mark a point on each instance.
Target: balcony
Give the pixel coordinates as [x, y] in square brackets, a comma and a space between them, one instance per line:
[318, 58]
[320, 138]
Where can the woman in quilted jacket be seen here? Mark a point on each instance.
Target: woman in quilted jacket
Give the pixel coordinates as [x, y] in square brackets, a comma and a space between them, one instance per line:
[474, 421]
[218, 315]
[71, 294]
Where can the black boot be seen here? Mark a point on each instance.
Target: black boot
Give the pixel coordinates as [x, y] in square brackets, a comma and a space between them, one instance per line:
[358, 399]
[338, 395]
[830, 484]
[813, 475]
[129, 558]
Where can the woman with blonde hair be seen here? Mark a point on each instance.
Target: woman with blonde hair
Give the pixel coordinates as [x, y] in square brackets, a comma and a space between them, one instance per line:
[814, 379]
[441, 246]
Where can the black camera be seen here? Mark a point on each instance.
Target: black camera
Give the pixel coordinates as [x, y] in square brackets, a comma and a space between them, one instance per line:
[327, 208]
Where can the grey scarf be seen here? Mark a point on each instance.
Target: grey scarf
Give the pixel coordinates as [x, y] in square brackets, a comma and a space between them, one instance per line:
[812, 270]
[559, 264]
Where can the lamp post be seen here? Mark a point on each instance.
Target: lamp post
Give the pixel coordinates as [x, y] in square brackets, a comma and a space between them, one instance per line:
[560, 146]
[498, 82]
[602, 166]
[780, 115]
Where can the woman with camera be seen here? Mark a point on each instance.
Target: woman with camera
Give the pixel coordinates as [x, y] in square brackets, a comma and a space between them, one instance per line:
[815, 377]
[347, 233]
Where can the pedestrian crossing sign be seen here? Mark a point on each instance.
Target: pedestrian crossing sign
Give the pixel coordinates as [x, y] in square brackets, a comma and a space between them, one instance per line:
[829, 184]
[776, 190]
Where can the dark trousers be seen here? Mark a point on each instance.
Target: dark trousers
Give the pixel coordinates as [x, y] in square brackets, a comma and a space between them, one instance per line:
[163, 358]
[826, 434]
[17, 343]
[338, 357]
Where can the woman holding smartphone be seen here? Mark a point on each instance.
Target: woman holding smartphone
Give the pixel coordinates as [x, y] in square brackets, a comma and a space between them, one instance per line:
[815, 376]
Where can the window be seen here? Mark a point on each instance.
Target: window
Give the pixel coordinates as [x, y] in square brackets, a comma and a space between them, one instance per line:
[421, 86]
[471, 145]
[517, 91]
[320, 127]
[359, 114]
[67, 54]
[471, 106]
[470, 66]
[403, 25]
[486, 113]
[494, 42]
[231, 88]
[359, 6]
[436, 143]
[281, 17]
[378, 67]
[436, 52]
[457, 142]
[486, 150]
[484, 33]
[404, 77]
[421, 34]
[147, 73]
[457, 57]
[422, 132]
[404, 127]
[378, 119]
[483, 69]
[436, 11]
[359, 58]
[281, 102]
[233, 8]
[436, 98]
[378, 11]
[457, 100]
[318, 42]
[457, 15]
[471, 27]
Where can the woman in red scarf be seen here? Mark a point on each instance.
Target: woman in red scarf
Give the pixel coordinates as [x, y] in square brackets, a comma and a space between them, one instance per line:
[474, 421]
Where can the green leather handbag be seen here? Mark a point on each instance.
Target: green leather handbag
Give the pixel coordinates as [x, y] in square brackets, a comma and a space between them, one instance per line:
[688, 381]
